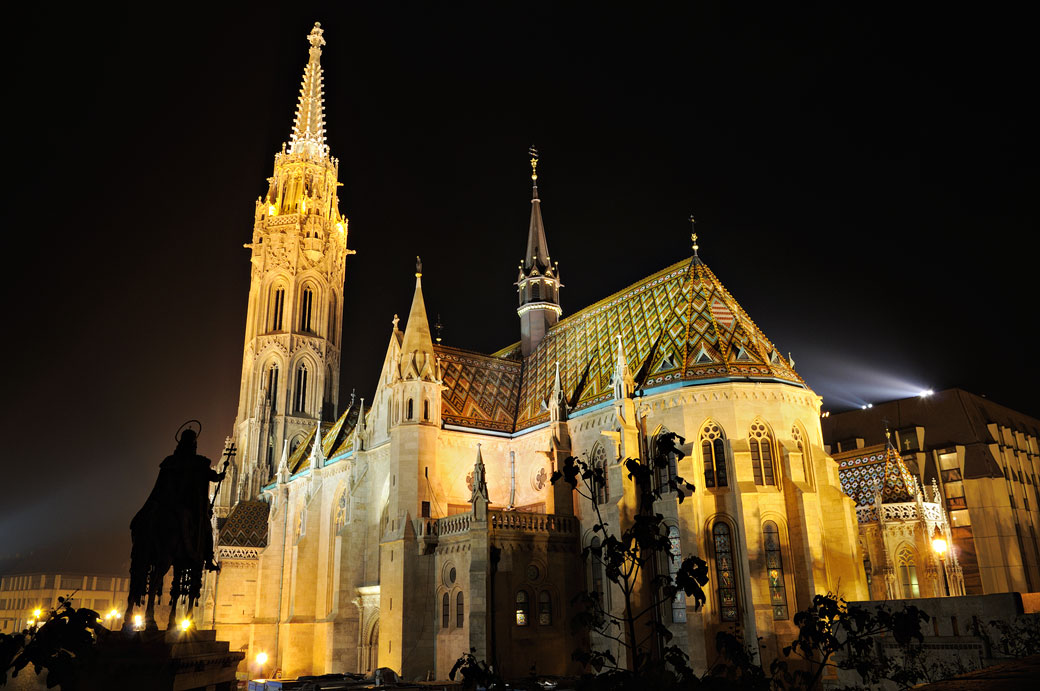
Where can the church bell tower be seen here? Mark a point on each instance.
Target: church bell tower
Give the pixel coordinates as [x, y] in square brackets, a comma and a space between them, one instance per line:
[538, 284]
[294, 322]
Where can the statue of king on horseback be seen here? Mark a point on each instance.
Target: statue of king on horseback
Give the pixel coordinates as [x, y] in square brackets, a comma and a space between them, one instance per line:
[173, 529]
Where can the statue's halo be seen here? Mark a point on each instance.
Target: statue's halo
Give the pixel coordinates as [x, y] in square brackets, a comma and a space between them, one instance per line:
[197, 428]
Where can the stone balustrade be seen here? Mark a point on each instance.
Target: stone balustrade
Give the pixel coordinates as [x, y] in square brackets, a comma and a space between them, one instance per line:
[902, 511]
[545, 523]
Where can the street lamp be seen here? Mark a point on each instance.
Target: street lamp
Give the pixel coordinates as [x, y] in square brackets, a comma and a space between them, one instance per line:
[940, 546]
[261, 660]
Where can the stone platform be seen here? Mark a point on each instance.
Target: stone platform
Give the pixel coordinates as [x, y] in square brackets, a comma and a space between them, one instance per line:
[155, 660]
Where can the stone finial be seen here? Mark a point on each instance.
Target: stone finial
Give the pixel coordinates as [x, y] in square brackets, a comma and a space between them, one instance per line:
[283, 465]
[622, 380]
[557, 401]
[480, 489]
[317, 456]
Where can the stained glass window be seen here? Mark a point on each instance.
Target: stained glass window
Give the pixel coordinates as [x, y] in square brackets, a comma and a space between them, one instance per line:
[726, 581]
[460, 609]
[523, 607]
[544, 608]
[775, 570]
[339, 518]
[445, 611]
[674, 562]
[762, 454]
[713, 454]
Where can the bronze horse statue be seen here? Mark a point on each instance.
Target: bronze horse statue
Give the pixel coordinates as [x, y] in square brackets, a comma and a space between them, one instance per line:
[173, 529]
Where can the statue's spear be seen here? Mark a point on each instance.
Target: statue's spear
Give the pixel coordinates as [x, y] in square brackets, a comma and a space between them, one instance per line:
[229, 453]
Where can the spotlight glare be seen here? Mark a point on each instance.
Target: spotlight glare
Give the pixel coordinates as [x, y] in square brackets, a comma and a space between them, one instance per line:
[926, 393]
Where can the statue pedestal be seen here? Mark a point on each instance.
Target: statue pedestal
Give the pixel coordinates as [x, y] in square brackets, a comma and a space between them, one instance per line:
[161, 661]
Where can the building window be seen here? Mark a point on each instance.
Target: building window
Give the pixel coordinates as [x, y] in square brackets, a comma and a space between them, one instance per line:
[536, 291]
[445, 611]
[595, 567]
[300, 402]
[775, 570]
[599, 478]
[762, 454]
[426, 410]
[544, 608]
[411, 405]
[306, 309]
[713, 455]
[803, 447]
[272, 387]
[277, 308]
[667, 472]
[674, 562]
[332, 319]
[908, 572]
[460, 611]
[339, 518]
[724, 570]
[523, 608]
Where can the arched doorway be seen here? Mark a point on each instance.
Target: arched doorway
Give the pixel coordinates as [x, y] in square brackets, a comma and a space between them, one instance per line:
[373, 647]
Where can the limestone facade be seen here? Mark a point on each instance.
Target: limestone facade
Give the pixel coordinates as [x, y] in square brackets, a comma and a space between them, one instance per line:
[422, 523]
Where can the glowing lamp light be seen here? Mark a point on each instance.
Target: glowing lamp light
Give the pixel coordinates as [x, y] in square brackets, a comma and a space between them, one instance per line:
[185, 624]
[37, 613]
[866, 406]
[940, 546]
[926, 393]
[261, 659]
[138, 621]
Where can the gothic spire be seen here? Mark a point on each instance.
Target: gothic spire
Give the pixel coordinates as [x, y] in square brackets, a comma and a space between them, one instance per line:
[537, 256]
[308, 135]
[417, 345]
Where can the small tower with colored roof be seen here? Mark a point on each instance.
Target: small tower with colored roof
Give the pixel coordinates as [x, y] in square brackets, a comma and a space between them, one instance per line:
[538, 283]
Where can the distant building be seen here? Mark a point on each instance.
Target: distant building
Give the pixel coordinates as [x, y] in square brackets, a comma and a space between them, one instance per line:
[984, 459]
[21, 594]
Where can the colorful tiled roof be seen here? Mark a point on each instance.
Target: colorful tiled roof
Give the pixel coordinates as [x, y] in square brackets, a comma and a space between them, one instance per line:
[861, 469]
[678, 325]
[246, 525]
[480, 391]
[335, 440]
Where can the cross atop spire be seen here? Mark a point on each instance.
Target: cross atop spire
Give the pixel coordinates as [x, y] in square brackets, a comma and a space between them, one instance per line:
[693, 238]
[308, 135]
[537, 256]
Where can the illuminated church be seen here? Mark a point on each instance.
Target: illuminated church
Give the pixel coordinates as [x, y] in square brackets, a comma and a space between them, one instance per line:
[410, 528]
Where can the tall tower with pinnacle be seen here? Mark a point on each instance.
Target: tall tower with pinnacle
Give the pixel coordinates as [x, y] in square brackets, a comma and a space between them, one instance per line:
[294, 321]
[538, 283]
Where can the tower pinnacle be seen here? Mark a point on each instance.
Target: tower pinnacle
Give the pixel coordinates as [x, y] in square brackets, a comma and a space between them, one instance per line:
[308, 135]
[539, 281]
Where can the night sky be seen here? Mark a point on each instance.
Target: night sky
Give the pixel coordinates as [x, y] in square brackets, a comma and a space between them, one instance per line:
[864, 182]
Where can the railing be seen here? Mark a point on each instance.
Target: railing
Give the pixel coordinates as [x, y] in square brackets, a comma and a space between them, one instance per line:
[453, 525]
[532, 522]
[903, 511]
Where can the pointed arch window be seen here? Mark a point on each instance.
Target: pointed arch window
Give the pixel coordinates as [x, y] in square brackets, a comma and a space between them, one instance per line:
[725, 575]
[300, 400]
[908, 572]
[426, 409]
[595, 570]
[272, 387]
[277, 309]
[674, 562]
[544, 608]
[775, 570]
[332, 319]
[523, 608]
[460, 610]
[665, 472]
[445, 611]
[411, 411]
[761, 442]
[713, 454]
[306, 309]
[800, 443]
[600, 481]
[536, 291]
